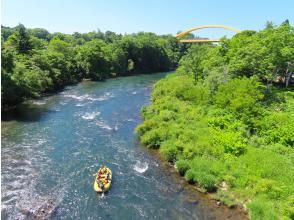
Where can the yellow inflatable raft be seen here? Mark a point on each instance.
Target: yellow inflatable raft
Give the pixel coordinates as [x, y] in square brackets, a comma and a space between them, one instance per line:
[103, 180]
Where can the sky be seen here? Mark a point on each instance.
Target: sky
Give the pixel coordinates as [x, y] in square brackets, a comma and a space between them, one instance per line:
[158, 16]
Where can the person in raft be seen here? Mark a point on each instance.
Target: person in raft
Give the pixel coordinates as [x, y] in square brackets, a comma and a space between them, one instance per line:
[102, 172]
[103, 177]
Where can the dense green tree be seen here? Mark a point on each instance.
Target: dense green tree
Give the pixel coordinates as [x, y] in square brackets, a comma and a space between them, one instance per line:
[110, 37]
[35, 61]
[10, 92]
[91, 57]
[60, 46]
[23, 40]
[6, 32]
[40, 33]
[7, 59]
[191, 63]
[117, 58]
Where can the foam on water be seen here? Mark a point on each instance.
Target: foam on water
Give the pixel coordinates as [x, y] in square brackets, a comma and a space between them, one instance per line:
[88, 97]
[130, 120]
[103, 125]
[90, 115]
[141, 167]
[81, 98]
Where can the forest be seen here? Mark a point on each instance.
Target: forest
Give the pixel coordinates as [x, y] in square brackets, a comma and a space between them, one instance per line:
[35, 61]
[225, 119]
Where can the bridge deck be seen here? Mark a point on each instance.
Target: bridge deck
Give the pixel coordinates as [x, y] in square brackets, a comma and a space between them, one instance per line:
[199, 40]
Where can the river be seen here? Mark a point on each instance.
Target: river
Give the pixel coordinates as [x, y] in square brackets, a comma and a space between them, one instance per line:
[51, 148]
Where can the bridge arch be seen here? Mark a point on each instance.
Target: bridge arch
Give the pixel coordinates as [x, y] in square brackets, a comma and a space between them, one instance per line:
[184, 33]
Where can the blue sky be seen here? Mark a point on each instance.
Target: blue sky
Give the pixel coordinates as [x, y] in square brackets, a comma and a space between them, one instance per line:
[159, 16]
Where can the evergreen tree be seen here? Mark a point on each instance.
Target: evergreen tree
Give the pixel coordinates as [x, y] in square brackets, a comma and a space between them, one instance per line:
[23, 40]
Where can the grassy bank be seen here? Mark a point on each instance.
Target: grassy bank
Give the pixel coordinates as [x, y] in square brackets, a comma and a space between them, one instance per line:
[226, 131]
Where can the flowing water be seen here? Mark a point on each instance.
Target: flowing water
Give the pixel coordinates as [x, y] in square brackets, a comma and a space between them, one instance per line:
[52, 147]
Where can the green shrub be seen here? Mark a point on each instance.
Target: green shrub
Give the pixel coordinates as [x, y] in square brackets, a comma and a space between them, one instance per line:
[260, 209]
[269, 187]
[147, 126]
[169, 151]
[278, 127]
[232, 142]
[230, 180]
[288, 208]
[153, 138]
[190, 176]
[182, 166]
[167, 115]
[226, 198]
[206, 181]
[240, 95]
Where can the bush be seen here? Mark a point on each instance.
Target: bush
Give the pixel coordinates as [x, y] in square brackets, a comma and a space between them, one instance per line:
[232, 142]
[278, 127]
[288, 208]
[153, 138]
[166, 115]
[226, 197]
[260, 209]
[207, 181]
[182, 166]
[169, 151]
[147, 126]
[240, 95]
[190, 176]
[270, 188]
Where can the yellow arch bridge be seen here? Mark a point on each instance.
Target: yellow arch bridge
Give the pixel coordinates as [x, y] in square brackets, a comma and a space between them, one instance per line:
[181, 35]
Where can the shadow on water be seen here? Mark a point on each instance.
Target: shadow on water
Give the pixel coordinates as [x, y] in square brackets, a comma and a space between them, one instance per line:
[31, 110]
[26, 112]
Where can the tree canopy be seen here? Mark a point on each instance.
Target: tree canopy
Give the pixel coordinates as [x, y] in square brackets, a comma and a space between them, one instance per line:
[35, 61]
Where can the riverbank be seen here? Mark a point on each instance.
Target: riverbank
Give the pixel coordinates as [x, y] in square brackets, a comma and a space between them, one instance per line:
[225, 126]
[211, 146]
[210, 204]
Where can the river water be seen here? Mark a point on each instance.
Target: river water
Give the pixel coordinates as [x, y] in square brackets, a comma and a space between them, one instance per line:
[52, 147]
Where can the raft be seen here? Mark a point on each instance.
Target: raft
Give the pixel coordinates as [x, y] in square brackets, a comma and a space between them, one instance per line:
[103, 180]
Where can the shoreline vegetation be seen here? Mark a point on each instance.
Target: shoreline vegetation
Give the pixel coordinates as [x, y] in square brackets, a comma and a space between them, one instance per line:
[36, 62]
[225, 120]
[235, 211]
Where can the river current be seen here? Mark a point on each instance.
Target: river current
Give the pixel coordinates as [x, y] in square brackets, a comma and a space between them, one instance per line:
[51, 148]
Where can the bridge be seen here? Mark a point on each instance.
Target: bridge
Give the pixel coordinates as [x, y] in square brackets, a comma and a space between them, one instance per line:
[181, 35]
